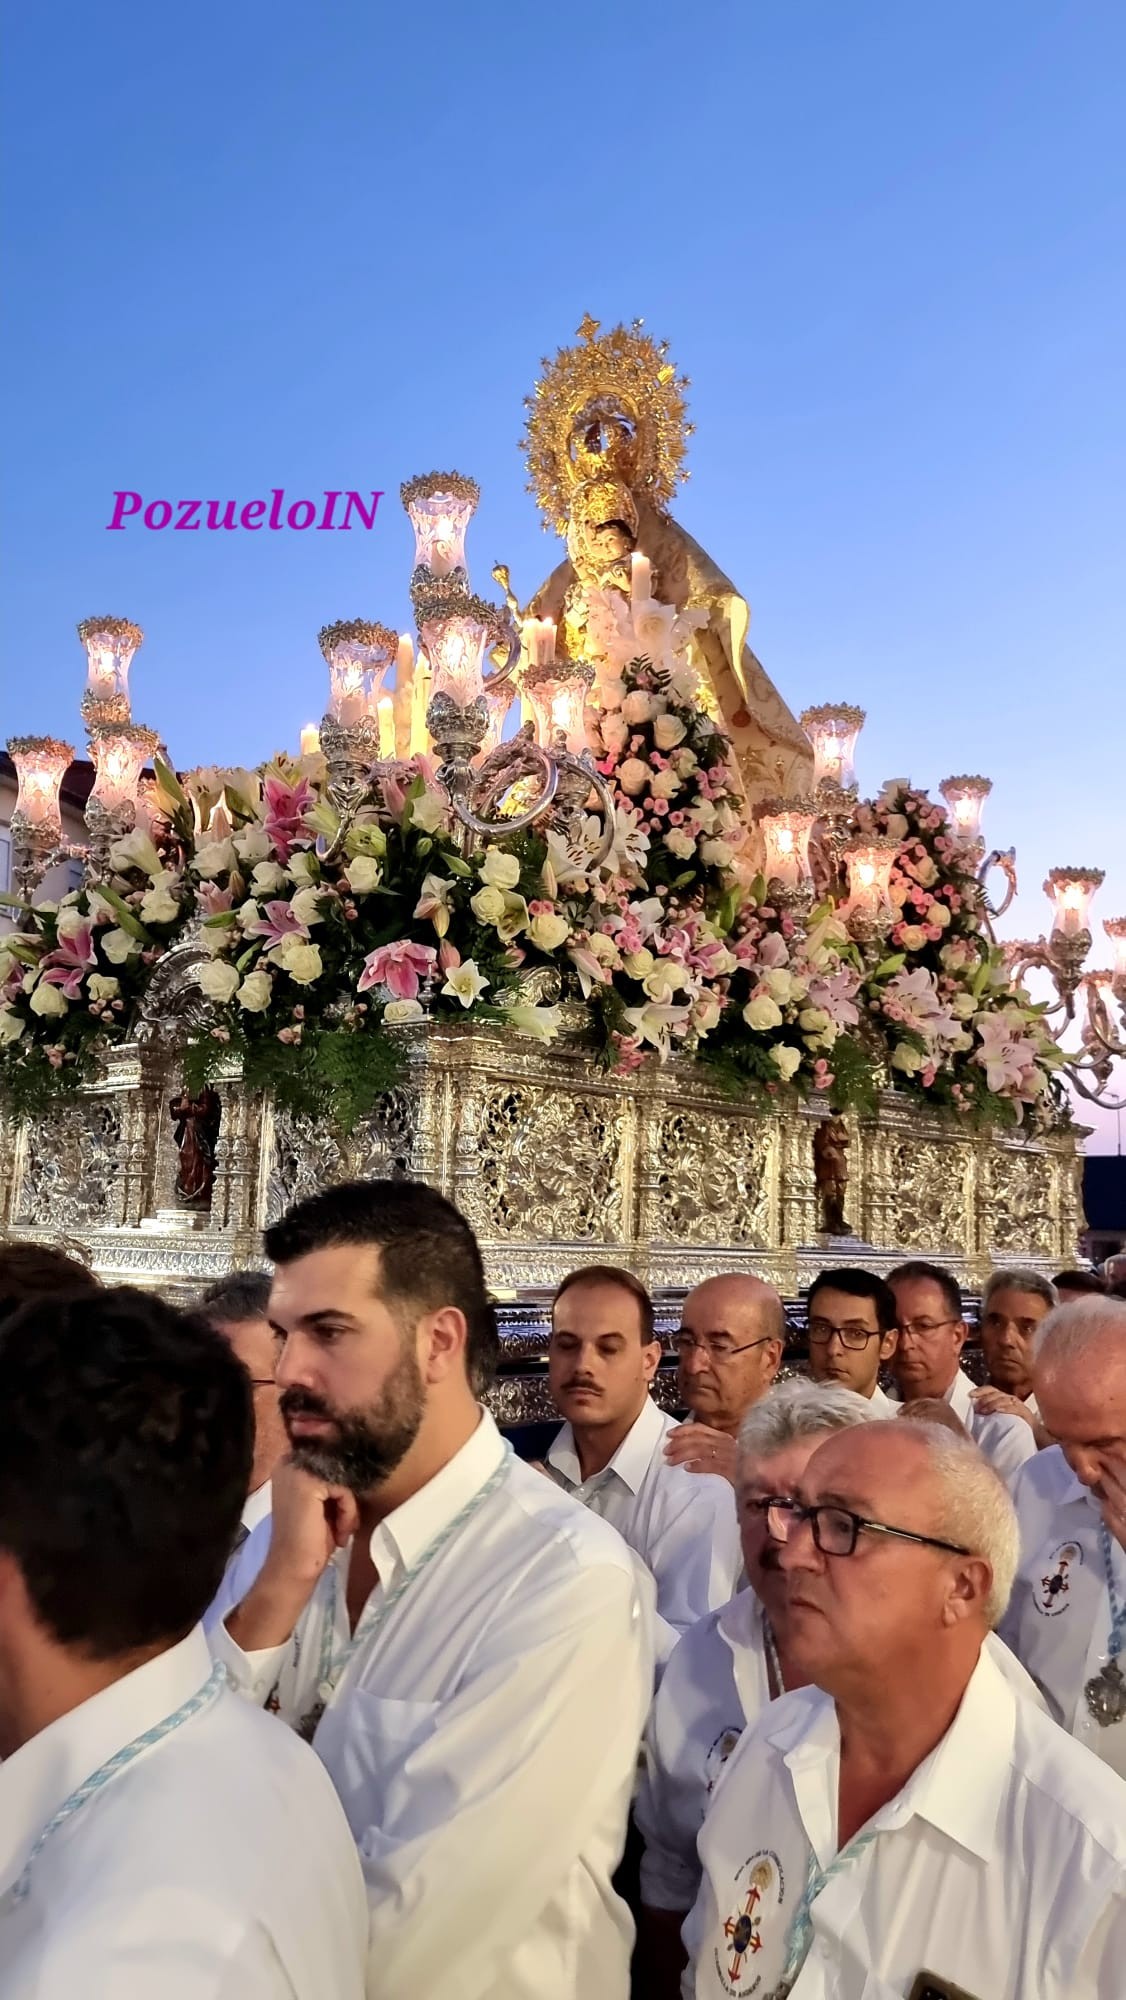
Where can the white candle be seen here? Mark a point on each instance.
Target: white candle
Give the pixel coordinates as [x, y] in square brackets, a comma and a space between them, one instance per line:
[310, 740]
[385, 709]
[548, 631]
[404, 658]
[641, 572]
[420, 701]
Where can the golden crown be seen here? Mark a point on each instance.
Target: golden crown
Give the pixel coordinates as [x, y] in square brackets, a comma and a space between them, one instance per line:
[614, 404]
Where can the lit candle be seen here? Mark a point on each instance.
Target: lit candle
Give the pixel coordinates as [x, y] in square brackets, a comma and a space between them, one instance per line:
[404, 657]
[641, 572]
[310, 740]
[385, 709]
[420, 700]
[547, 630]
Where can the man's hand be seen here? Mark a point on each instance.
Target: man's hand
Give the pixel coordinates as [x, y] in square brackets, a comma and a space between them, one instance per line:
[995, 1403]
[700, 1449]
[310, 1520]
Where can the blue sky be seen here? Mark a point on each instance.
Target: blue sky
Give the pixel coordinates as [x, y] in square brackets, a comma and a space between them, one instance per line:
[259, 245]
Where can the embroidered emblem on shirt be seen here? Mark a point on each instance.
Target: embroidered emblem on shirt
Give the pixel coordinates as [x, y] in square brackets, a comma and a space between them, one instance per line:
[760, 1887]
[1051, 1591]
[719, 1753]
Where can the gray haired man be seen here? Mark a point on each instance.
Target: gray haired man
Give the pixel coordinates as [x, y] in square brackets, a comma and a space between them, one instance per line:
[1014, 1304]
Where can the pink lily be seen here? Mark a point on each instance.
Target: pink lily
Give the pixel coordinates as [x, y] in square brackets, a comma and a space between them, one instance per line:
[285, 805]
[280, 921]
[212, 899]
[65, 966]
[400, 967]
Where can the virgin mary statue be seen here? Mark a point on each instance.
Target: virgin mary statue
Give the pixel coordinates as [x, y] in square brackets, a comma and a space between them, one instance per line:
[605, 437]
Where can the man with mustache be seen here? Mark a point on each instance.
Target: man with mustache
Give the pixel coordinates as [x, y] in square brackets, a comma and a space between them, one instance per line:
[610, 1452]
[1066, 1619]
[466, 1648]
[723, 1673]
[730, 1343]
[905, 1823]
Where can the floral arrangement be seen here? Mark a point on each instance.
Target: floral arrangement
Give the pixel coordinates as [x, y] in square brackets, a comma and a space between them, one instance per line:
[324, 937]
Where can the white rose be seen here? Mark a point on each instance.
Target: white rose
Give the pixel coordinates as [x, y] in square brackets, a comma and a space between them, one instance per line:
[268, 879]
[118, 946]
[706, 1014]
[705, 813]
[684, 762]
[248, 913]
[219, 980]
[813, 1020]
[963, 1006]
[499, 870]
[762, 1013]
[615, 733]
[304, 867]
[779, 984]
[611, 692]
[101, 988]
[665, 785]
[639, 963]
[69, 923]
[215, 937]
[256, 992]
[363, 875]
[717, 853]
[488, 905]
[215, 857]
[159, 907]
[682, 844]
[403, 1010]
[639, 707]
[306, 906]
[926, 874]
[605, 950]
[785, 1059]
[12, 1026]
[663, 981]
[49, 1001]
[549, 932]
[633, 776]
[252, 845]
[939, 914]
[302, 962]
[668, 731]
[907, 1059]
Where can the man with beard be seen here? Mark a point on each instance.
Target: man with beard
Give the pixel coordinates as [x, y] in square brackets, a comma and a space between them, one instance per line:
[730, 1343]
[723, 1673]
[467, 1649]
[905, 1823]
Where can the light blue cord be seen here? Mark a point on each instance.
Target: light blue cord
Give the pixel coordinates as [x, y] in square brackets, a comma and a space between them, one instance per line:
[121, 1759]
[801, 1930]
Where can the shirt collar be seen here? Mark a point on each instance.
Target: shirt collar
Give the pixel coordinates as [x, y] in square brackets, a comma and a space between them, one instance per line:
[258, 1505]
[630, 1462]
[957, 1788]
[959, 1395]
[408, 1531]
[44, 1771]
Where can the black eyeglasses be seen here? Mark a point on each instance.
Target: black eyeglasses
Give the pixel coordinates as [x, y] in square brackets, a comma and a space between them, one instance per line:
[836, 1530]
[852, 1334]
[717, 1346]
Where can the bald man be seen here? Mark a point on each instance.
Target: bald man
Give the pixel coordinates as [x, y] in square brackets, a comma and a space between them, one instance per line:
[729, 1344]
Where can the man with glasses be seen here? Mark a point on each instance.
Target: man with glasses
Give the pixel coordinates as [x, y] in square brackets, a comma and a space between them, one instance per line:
[932, 1334]
[850, 1326]
[610, 1452]
[906, 1823]
[729, 1346]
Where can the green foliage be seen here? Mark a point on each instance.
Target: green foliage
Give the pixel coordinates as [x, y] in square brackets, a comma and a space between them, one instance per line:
[338, 1074]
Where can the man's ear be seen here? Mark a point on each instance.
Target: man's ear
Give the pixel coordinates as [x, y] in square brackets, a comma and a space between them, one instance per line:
[444, 1337]
[650, 1359]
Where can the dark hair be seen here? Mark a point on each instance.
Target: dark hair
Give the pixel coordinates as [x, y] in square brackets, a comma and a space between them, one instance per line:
[37, 1271]
[945, 1280]
[1083, 1282]
[429, 1255]
[240, 1295]
[858, 1285]
[125, 1450]
[612, 1274]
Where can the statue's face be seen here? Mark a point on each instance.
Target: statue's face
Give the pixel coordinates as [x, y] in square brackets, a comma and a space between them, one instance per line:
[610, 541]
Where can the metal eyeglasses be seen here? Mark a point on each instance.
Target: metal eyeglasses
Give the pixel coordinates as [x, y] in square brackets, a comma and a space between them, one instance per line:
[717, 1346]
[836, 1530]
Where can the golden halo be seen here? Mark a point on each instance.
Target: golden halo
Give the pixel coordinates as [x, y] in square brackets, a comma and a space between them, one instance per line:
[624, 383]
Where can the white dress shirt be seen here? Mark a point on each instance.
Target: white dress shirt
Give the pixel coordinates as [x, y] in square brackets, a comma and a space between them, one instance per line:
[1058, 1620]
[999, 1867]
[882, 1403]
[257, 1507]
[1008, 1442]
[216, 1866]
[714, 1686]
[682, 1524]
[484, 1738]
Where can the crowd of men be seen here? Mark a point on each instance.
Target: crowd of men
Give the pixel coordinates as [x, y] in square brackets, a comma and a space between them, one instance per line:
[311, 1689]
